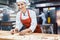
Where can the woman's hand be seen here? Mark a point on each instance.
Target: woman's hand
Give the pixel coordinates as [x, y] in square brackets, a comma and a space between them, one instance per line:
[24, 32]
[13, 31]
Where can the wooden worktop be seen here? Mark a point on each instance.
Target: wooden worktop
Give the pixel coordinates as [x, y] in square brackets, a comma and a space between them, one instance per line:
[5, 35]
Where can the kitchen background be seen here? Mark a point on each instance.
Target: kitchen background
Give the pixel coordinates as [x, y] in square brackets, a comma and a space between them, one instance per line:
[50, 8]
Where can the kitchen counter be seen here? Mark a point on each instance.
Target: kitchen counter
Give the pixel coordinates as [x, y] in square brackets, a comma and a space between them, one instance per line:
[5, 35]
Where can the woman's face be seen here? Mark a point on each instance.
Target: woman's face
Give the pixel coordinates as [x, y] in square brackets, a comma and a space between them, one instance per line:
[21, 5]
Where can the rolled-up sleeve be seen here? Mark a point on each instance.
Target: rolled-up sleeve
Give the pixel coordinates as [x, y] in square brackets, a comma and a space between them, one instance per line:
[33, 21]
[18, 22]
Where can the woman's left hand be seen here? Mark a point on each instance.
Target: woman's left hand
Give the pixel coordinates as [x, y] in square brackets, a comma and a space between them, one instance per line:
[26, 31]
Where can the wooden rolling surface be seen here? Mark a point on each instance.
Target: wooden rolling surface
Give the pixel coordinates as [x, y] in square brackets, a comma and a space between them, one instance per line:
[5, 35]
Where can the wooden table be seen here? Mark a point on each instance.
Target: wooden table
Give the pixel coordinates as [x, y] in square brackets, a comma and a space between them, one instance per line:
[5, 35]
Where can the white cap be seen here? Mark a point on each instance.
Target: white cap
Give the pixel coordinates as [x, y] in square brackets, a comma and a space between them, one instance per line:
[26, 1]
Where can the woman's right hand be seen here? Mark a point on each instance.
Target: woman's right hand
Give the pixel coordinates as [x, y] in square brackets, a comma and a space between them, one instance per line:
[13, 31]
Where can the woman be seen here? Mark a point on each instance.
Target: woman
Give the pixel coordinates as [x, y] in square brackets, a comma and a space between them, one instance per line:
[26, 19]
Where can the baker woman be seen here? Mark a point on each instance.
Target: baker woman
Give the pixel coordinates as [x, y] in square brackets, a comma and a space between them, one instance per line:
[26, 21]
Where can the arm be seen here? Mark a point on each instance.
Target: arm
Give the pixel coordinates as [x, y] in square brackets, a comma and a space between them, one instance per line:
[18, 25]
[18, 22]
[33, 21]
[40, 15]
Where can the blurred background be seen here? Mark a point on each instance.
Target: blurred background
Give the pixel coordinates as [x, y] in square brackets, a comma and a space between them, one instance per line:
[50, 8]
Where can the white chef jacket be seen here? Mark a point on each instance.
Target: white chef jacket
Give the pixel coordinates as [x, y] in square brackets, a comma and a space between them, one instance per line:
[42, 15]
[33, 25]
